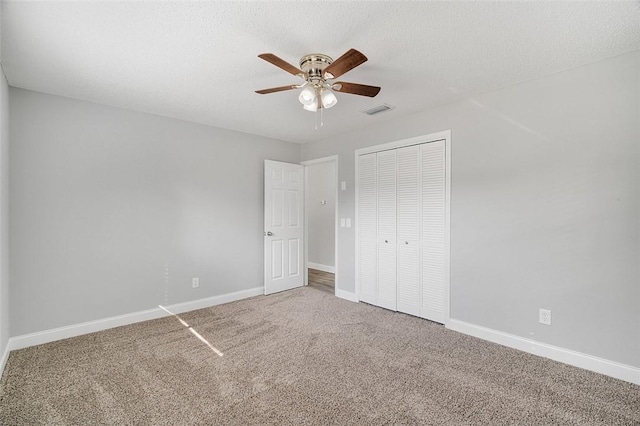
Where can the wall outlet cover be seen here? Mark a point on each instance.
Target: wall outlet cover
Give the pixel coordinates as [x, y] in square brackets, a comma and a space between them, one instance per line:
[545, 316]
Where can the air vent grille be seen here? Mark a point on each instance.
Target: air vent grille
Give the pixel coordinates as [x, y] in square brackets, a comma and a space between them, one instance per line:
[378, 109]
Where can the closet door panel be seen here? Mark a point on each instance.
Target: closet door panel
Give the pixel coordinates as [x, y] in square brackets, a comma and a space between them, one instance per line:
[433, 230]
[367, 271]
[387, 194]
[387, 276]
[408, 226]
[387, 217]
[408, 288]
[408, 199]
[367, 228]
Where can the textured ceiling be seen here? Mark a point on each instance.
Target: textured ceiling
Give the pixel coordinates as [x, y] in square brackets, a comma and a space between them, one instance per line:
[197, 61]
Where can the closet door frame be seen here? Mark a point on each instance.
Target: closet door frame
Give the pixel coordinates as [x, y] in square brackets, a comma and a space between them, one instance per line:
[433, 137]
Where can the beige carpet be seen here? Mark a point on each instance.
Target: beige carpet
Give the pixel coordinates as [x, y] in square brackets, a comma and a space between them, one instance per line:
[300, 357]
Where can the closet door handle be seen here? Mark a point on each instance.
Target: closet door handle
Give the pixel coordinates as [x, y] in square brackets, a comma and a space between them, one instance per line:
[386, 241]
[406, 242]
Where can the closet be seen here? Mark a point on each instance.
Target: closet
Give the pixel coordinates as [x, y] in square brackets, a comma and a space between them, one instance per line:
[401, 207]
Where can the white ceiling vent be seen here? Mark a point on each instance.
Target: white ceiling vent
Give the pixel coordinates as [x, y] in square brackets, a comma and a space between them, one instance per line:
[378, 109]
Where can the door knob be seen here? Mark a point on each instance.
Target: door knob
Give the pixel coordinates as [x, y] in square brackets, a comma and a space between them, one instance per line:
[406, 242]
[268, 233]
[386, 241]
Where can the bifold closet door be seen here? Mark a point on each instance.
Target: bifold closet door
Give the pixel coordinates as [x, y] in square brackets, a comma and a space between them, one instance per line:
[401, 229]
[408, 229]
[432, 156]
[367, 228]
[386, 189]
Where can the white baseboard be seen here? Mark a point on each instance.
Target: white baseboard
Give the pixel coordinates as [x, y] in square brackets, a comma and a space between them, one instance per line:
[5, 357]
[321, 267]
[588, 362]
[347, 295]
[52, 335]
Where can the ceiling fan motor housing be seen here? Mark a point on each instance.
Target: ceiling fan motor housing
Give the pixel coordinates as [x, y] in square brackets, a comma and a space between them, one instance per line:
[313, 65]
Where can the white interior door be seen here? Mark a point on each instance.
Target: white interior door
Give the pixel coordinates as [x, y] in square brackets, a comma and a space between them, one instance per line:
[408, 205]
[387, 249]
[403, 227]
[433, 230]
[283, 226]
[368, 228]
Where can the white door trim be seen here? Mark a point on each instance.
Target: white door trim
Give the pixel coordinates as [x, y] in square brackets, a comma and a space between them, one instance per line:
[432, 137]
[306, 164]
[446, 136]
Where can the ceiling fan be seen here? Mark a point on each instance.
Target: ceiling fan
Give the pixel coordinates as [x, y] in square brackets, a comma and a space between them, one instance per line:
[318, 71]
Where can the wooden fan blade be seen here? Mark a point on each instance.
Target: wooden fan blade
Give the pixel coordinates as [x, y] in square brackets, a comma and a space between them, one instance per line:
[344, 63]
[281, 63]
[355, 89]
[277, 89]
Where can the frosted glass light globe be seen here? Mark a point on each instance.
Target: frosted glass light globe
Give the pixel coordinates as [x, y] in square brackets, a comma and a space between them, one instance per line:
[307, 96]
[328, 98]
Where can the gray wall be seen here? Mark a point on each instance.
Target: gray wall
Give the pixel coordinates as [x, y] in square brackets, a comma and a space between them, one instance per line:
[4, 212]
[105, 202]
[544, 209]
[321, 185]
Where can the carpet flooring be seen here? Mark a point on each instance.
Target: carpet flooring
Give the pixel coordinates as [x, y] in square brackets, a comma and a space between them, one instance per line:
[300, 357]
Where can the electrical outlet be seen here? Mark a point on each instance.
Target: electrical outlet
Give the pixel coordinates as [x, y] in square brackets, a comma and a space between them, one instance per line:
[545, 316]
[195, 282]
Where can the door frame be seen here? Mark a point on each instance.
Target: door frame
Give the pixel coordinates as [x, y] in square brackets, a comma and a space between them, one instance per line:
[330, 159]
[438, 136]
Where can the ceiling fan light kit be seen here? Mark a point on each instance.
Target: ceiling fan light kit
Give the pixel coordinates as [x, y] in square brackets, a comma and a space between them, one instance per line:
[307, 95]
[313, 107]
[328, 98]
[318, 71]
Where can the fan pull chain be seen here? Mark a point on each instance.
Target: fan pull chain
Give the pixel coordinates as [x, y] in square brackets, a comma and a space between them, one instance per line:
[321, 118]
